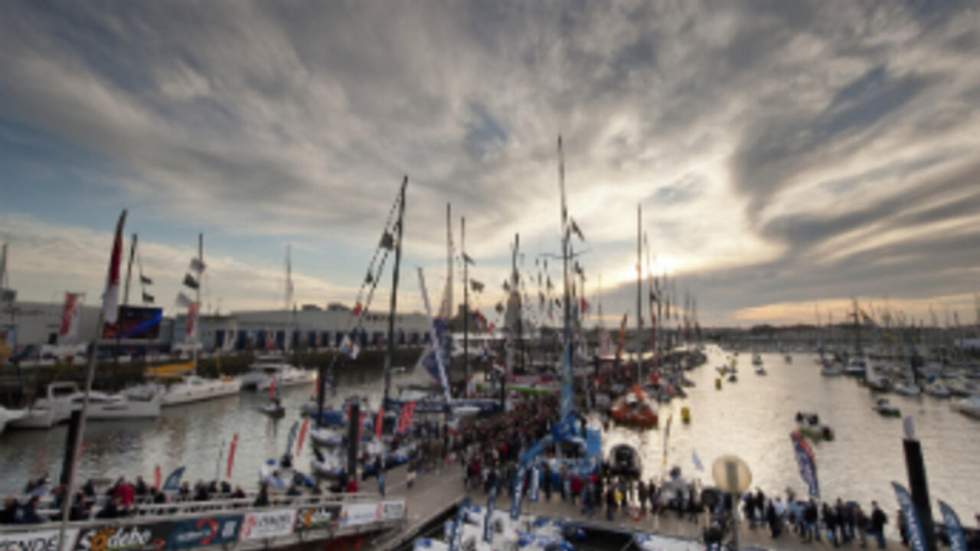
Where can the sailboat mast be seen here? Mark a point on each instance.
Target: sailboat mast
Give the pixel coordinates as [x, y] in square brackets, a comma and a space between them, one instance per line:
[567, 382]
[129, 269]
[466, 307]
[197, 296]
[393, 307]
[639, 293]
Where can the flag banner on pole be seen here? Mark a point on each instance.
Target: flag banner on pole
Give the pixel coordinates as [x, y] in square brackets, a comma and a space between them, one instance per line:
[807, 462]
[917, 541]
[954, 530]
[173, 480]
[518, 494]
[191, 327]
[110, 298]
[488, 518]
[197, 265]
[156, 477]
[405, 419]
[535, 484]
[69, 318]
[379, 422]
[231, 455]
[190, 282]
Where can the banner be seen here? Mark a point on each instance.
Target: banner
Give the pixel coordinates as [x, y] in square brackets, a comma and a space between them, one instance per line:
[135, 322]
[355, 514]
[807, 463]
[121, 538]
[917, 540]
[533, 491]
[268, 524]
[392, 510]
[70, 315]
[172, 484]
[317, 518]
[41, 540]
[405, 419]
[203, 532]
[954, 530]
[518, 494]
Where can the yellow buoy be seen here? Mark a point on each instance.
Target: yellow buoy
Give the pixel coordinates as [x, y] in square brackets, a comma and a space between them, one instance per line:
[718, 384]
[686, 414]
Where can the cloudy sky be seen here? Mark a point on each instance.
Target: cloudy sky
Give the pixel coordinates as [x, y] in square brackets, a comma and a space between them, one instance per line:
[784, 153]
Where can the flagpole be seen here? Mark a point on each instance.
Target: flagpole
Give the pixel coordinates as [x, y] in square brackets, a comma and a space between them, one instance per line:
[197, 297]
[466, 308]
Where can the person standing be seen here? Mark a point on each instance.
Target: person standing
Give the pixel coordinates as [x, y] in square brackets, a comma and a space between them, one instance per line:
[641, 494]
[878, 521]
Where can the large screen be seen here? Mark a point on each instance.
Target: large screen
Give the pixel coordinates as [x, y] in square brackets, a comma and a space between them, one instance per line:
[135, 322]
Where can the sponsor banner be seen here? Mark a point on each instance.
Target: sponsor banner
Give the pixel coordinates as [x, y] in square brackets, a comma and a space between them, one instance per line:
[41, 540]
[317, 518]
[122, 538]
[393, 510]
[355, 514]
[200, 532]
[268, 524]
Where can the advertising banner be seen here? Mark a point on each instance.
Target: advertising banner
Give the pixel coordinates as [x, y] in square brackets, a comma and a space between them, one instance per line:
[204, 531]
[268, 524]
[317, 518]
[355, 514]
[42, 540]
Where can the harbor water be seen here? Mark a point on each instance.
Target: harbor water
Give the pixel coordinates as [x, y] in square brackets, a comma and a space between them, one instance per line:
[751, 418]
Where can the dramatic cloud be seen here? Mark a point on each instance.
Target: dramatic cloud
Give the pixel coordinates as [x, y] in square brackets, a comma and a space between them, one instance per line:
[782, 152]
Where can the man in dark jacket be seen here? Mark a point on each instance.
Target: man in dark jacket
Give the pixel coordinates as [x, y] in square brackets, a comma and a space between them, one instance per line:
[878, 521]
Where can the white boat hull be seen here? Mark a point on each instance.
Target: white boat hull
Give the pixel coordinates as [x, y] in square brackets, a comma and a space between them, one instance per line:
[296, 378]
[124, 409]
[42, 418]
[206, 389]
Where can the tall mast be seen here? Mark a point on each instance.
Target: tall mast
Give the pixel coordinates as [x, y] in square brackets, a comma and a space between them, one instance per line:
[393, 307]
[129, 269]
[639, 294]
[288, 341]
[466, 307]
[567, 382]
[197, 297]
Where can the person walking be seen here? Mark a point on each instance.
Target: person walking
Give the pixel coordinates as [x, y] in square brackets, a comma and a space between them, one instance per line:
[878, 521]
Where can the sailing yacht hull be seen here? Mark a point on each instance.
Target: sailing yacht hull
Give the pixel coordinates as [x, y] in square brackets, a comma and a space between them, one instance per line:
[187, 392]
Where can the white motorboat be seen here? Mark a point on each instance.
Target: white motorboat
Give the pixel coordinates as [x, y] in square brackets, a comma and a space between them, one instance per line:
[876, 381]
[968, 406]
[102, 406]
[192, 388]
[937, 389]
[856, 367]
[903, 388]
[8, 415]
[54, 408]
[264, 371]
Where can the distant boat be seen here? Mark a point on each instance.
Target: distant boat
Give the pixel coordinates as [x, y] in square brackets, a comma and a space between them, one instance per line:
[8, 415]
[938, 390]
[634, 409]
[885, 408]
[903, 388]
[831, 369]
[269, 368]
[968, 406]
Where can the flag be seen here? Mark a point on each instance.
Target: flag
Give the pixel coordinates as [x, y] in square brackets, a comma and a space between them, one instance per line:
[145, 280]
[456, 528]
[183, 301]
[173, 480]
[272, 389]
[69, 317]
[379, 423]
[488, 519]
[468, 260]
[189, 281]
[197, 265]
[291, 439]
[405, 419]
[302, 435]
[518, 494]
[148, 298]
[476, 286]
[191, 328]
[387, 241]
[697, 461]
[954, 530]
[913, 527]
[110, 298]
[577, 231]
[156, 477]
[807, 463]
[533, 491]
[357, 309]
[231, 455]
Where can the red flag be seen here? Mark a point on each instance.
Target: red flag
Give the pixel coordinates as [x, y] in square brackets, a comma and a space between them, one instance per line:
[379, 423]
[191, 328]
[357, 309]
[583, 305]
[272, 389]
[110, 298]
[302, 435]
[231, 454]
[69, 317]
[405, 419]
[156, 477]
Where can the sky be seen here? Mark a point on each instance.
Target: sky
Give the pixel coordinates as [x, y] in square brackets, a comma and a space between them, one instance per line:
[786, 155]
